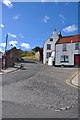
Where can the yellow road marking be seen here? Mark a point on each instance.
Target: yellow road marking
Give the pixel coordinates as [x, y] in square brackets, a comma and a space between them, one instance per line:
[69, 80]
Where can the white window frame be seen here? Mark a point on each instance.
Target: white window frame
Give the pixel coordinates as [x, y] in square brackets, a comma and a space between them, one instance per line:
[64, 58]
[77, 46]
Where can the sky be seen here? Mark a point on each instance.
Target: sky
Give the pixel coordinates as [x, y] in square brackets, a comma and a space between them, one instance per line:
[29, 24]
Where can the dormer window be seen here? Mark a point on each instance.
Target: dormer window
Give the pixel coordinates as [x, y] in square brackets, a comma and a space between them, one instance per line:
[76, 46]
[64, 47]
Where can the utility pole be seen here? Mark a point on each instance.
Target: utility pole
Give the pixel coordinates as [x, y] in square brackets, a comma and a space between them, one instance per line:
[6, 43]
[4, 58]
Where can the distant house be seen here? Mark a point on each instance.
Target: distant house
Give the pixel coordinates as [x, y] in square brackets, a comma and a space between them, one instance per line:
[13, 55]
[49, 47]
[68, 51]
[38, 53]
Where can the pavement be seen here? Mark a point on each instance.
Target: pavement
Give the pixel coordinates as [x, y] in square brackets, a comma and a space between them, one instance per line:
[10, 69]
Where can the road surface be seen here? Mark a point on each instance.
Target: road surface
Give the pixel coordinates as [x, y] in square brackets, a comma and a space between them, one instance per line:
[39, 91]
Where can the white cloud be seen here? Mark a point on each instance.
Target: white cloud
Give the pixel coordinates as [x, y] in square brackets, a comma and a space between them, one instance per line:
[12, 35]
[2, 26]
[1, 50]
[7, 3]
[46, 18]
[16, 17]
[20, 35]
[70, 28]
[13, 43]
[62, 18]
[25, 45]
[2, 44]
[44, 1]
[56, 2]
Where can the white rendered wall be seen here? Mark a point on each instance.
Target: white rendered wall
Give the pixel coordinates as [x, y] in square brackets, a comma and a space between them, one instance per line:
[70, 52]
[45, 49]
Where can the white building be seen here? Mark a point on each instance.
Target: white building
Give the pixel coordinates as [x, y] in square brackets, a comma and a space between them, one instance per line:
[49, 46]
[67, 51]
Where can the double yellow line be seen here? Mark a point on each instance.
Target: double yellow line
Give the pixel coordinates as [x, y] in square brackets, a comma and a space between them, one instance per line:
[69, 80]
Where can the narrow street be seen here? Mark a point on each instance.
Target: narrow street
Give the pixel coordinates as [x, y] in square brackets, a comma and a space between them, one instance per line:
[39, 91]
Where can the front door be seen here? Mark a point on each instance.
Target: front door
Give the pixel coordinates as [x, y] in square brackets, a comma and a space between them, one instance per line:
[77, 60]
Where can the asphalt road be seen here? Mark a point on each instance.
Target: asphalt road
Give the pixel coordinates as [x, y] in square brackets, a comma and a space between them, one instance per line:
[39, 91]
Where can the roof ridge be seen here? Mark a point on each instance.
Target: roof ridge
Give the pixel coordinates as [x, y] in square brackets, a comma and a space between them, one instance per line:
[70, 36]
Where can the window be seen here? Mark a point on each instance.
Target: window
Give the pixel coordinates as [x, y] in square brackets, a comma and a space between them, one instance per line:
[64, 47]
[64, 58]
[51, 39]
[48, 46]
[76, 46]
[48, 55]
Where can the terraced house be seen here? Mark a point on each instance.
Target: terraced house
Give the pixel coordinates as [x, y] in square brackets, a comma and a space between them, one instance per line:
[67, 51]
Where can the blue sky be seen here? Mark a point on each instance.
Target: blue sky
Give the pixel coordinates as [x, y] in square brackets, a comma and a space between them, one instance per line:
[29, 24]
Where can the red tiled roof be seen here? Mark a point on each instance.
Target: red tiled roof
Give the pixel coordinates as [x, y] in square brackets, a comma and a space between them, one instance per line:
[69, 39]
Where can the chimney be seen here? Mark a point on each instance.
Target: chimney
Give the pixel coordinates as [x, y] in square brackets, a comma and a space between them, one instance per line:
[54, 32]
[60, 35]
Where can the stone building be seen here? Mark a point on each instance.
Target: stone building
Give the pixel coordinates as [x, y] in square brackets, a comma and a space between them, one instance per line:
[12, 56]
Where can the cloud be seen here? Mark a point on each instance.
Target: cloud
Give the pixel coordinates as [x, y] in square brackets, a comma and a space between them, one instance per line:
[16, 17]
[7, 3]
[13, 43]
[2, 26]
[12, 35]
[44, 1]
[2, 44]
[2, 50]
[25, 45]
[46, 18]
[20, 35]
[70, 28]
[56, 2]
[62, 18]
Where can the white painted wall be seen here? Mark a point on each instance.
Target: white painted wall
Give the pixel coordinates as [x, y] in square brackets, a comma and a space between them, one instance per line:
[45, 49]
[55, 38]
[70, 52]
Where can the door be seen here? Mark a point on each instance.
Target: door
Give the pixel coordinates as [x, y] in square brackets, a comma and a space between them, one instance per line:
[77, 60]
